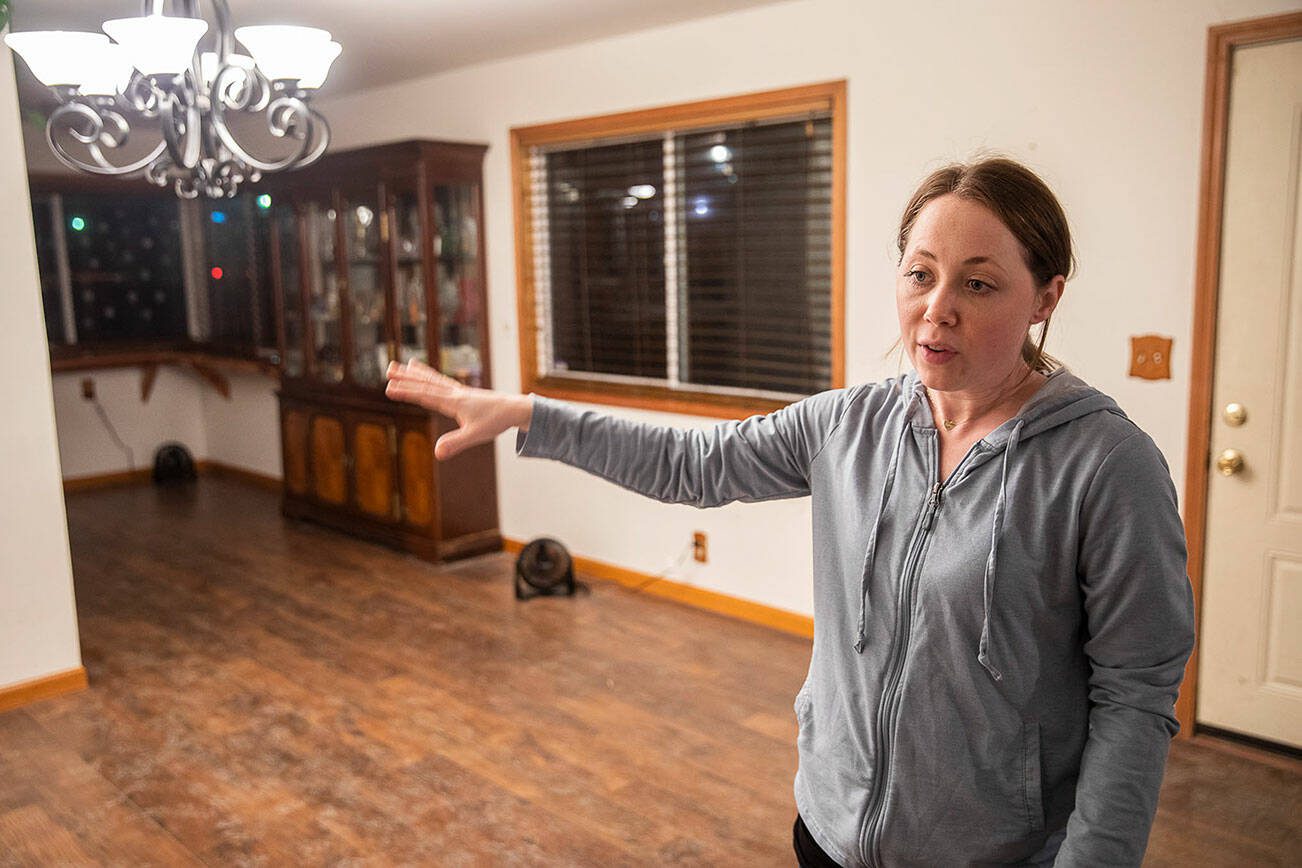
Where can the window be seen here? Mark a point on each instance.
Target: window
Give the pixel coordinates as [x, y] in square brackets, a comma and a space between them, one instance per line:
[687, 259]
[130, 270]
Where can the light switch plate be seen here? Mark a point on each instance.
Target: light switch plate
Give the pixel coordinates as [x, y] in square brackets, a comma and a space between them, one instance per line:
[1150, 357]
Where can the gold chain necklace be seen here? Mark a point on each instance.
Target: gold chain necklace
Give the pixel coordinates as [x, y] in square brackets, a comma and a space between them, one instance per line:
[951, 424]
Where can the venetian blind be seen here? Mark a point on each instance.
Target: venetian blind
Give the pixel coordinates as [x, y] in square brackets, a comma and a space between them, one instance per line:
[699, 259]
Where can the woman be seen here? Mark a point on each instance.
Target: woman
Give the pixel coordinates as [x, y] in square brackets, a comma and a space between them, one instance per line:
[1002, 613]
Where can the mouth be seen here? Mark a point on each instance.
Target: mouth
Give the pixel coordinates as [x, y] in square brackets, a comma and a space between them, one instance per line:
[937, 353]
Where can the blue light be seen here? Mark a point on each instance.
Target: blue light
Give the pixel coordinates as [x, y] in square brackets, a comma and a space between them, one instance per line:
[218, 216]
[701, 206]
[264, 201]
[77, 224]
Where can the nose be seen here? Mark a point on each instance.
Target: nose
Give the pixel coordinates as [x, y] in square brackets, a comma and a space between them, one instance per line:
[941, 310]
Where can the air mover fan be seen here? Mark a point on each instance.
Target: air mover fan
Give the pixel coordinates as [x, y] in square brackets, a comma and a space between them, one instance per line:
[543, 569]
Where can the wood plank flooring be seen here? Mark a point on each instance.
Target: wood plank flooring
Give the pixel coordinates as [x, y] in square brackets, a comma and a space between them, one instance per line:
[270, 693]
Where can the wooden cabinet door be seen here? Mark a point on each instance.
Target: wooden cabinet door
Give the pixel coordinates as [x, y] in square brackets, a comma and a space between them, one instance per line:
[416, 455]
[329, 460]
[293, 428]
[374, 445]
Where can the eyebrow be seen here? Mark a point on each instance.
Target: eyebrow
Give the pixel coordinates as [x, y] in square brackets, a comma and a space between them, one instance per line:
[970, 261]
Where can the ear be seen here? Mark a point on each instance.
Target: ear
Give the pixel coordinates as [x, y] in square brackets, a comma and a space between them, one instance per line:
[1048, 299]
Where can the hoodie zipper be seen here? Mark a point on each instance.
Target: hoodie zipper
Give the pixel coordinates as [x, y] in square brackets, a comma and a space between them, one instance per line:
[895, 668]
[870, 835]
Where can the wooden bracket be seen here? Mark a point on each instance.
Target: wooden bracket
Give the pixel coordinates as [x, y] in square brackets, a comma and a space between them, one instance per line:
[215, 378]
[148, 373]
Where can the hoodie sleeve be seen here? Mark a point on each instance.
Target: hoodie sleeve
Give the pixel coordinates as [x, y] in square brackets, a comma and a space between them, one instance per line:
[1138, 636]
[763, 457]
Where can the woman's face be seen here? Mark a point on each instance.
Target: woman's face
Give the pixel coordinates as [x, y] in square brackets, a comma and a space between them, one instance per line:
[966, 298]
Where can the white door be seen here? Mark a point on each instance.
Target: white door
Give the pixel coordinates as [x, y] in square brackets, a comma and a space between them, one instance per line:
[1250, 677]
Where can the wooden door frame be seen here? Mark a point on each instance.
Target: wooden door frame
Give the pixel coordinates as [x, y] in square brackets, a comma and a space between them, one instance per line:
[1222, 41]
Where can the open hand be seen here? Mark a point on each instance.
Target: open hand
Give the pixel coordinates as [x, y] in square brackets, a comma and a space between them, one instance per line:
[482, 414]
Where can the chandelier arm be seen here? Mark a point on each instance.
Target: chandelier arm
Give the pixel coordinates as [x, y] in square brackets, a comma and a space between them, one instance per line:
[181, 133]
[71, 113]
[322, 129]
[225, 36]
[282, 115]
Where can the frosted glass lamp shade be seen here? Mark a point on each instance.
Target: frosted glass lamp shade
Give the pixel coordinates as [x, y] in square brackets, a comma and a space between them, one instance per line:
[318, 65]
[58, 57]
[110, 73]
[284, 51]
[158, 44]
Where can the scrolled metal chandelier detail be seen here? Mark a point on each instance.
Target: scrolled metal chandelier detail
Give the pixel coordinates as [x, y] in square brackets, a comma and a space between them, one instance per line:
[156, 70]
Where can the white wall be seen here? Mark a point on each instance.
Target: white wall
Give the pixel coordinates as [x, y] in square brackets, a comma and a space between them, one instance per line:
[87, 447]
[244, 430]
[38, 617]
[1104, 99]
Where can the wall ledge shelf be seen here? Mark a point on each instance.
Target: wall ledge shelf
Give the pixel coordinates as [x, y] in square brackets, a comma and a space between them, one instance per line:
[211, 368]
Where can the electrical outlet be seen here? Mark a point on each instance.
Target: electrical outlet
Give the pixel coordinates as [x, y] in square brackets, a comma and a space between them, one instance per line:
[88, 389]
[699, 550]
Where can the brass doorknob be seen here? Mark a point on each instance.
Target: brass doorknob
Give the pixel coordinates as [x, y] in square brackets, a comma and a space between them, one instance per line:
[1229, 462]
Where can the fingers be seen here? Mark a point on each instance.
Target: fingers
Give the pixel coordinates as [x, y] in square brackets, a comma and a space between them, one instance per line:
[416, 370]
[421, 393]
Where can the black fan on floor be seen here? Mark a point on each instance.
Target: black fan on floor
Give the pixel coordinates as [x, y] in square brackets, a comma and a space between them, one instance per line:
[544, 569]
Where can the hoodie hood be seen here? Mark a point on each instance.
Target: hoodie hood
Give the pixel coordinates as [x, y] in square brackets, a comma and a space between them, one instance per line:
[1062, 398]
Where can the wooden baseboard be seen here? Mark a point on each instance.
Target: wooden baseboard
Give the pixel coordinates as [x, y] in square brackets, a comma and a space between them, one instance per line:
[203, 467]
[107, 480]
[746, 610]
[27, 692]
[252, 477]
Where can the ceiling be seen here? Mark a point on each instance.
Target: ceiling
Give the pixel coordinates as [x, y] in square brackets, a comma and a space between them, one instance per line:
[393, 40]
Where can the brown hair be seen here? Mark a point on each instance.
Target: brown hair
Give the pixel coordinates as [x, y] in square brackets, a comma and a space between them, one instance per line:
[1024, 204]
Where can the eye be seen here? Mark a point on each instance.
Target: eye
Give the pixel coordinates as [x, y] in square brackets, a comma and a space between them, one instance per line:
[920, 279]
[980, 286]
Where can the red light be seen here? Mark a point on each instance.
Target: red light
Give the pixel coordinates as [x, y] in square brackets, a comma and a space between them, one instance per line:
[217, 274]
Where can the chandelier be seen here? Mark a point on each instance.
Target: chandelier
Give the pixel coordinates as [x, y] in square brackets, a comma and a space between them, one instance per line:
[155, 71]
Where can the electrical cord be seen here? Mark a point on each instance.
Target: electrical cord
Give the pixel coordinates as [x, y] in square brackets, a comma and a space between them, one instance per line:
[131, 458]
[663, 574]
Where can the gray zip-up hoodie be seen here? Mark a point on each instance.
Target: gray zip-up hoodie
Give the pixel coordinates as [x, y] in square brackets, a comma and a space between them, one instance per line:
[996, 655]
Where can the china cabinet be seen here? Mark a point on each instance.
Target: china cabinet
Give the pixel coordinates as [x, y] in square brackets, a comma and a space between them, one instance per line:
[378, 255]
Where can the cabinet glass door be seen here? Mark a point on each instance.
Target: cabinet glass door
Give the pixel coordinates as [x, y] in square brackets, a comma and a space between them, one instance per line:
[409, 277]
[323, 301]
[291, 289]
[366, 289]
[460, 282]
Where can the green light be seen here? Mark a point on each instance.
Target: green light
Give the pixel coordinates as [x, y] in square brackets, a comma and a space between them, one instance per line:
[77, 224]
[264, 201]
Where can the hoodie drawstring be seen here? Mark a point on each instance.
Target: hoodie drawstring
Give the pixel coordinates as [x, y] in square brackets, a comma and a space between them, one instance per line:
[887, 486]
[996, 531]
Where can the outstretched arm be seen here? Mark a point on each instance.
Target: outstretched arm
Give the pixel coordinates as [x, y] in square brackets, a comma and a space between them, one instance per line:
[758, 458]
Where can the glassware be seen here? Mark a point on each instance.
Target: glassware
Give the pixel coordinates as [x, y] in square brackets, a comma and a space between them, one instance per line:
[460, 278]
[291, 289]
[362, 228]
[323, 300]
[408, 278]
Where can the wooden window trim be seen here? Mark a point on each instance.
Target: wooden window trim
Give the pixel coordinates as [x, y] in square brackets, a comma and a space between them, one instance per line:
[825, 96]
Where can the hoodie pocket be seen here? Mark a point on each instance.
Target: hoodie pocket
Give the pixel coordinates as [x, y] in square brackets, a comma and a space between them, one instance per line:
[1031, 797]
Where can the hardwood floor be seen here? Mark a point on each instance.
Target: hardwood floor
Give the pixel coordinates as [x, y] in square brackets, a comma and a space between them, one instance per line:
[267, 693]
